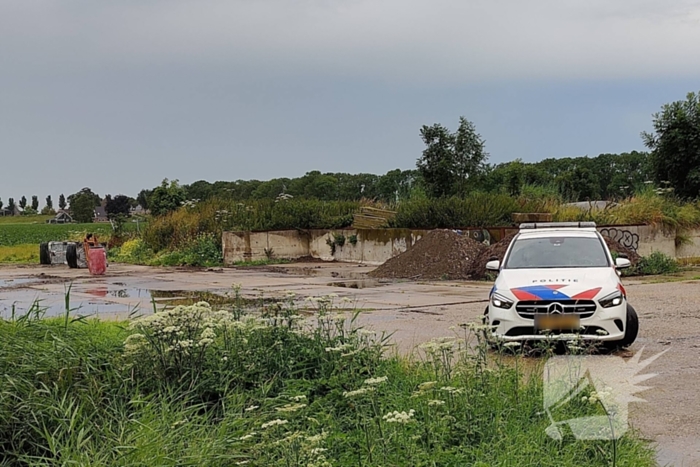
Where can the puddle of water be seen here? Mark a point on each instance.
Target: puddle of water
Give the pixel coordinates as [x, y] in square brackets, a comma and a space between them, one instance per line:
[7, 283]
[359, 284]
[129, 292]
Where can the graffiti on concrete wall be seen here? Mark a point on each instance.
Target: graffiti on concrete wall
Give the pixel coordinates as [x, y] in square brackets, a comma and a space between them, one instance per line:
[624, 237]
[480, 235]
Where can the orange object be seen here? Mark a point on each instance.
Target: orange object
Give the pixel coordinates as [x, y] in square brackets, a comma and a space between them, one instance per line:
[97, 261]
[95, 255]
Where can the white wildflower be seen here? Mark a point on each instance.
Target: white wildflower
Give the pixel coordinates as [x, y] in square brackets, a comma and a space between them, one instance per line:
[451, 390]
[251, 408]
[315, 439]
[399, 417]
[298, 398]
[376, 381]
[602, 332]
[248, 436]
[291, 407]
[511, 345]
[340, 348]
[436, 402]
[357, 392]
[272, 423]
[317, 451]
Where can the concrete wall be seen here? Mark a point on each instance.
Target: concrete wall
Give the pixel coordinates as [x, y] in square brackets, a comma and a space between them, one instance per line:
[372, 246]
[376, 246]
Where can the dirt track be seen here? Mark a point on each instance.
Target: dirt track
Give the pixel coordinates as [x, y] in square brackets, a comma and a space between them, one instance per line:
[414, 311]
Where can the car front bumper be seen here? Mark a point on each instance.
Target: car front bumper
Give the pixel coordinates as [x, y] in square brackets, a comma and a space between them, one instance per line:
[606, 324]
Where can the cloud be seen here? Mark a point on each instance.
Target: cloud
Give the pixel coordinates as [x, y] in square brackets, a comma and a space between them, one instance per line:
[402, 41]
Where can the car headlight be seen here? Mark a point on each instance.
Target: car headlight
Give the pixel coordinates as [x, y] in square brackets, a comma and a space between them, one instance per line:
[614, 299]
[499, 301]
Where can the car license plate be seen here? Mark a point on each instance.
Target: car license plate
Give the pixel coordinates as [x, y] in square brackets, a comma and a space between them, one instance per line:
[557, 322]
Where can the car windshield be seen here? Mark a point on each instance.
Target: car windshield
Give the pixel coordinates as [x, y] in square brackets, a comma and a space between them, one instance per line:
[557, 252]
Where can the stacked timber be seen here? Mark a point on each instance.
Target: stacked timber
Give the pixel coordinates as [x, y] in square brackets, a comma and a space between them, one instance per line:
[372, 218]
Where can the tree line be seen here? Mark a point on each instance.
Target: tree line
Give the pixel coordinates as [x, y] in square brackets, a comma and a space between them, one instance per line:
[607, 176]
[452, 164]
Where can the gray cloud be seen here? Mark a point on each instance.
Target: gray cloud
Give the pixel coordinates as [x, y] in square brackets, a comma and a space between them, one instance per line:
[226, 89]
[396, 40]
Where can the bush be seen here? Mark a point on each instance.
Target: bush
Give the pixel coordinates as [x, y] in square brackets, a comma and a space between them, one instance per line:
[203, 250]
[476, 210]
[133, 251]
[657, 263]
[214, 216]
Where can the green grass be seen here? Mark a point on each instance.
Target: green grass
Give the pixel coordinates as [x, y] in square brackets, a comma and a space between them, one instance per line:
[38, 219]
[19, 254]
[191, 386]
[18, 234]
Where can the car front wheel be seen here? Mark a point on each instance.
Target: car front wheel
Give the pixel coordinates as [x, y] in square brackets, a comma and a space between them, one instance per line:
[631, 329]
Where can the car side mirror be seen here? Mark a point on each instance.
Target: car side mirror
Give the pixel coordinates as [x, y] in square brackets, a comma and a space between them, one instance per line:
[621, 263]
[493, 265]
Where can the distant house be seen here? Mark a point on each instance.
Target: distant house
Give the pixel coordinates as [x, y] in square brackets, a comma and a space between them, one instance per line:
[138, 210]
[100, 214]
[5, 211]
[61, 217]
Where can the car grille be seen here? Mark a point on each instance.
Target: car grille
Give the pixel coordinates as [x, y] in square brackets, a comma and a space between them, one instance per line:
[529, 308]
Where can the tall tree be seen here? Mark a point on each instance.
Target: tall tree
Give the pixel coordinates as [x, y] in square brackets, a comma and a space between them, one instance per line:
[469, 154]
[35, 202]
[117, 206]
[23, 202]
[49, 202]
[451, 159]
[142, 198]
[61, 202]
[82, 205]
[675, 145]
[166, 198]
[11, 206]
[0, 203]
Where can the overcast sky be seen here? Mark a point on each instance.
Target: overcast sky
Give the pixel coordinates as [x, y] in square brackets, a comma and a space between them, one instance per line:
[117, 95]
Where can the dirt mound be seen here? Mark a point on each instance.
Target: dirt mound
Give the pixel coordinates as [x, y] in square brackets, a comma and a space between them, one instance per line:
[617, 247]
[441, 254]
[497, 250]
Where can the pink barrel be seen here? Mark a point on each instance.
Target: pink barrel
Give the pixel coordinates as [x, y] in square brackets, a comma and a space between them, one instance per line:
[98, 261]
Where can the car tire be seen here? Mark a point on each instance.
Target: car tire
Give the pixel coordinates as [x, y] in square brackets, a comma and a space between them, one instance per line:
[72, 255]
[631, 330]
[44, 254]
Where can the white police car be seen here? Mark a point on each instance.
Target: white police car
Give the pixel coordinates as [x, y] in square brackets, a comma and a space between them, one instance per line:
[557, 280]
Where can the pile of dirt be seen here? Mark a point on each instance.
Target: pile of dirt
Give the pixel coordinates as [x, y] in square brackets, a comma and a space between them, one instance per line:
[496, 250]
[617, 247]
[441, 254]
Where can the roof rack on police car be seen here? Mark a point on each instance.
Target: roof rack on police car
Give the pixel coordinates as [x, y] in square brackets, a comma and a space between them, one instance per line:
[555, 225]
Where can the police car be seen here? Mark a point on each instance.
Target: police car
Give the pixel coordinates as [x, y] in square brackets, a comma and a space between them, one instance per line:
[559, 281]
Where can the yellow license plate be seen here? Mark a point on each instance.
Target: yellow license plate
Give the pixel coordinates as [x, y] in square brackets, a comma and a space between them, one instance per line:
[557, 322]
